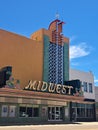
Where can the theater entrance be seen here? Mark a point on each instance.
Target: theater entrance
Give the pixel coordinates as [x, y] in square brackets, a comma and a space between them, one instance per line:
[55, 113]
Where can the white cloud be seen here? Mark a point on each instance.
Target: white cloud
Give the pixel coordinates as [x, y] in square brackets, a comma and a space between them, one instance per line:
[96, 81]
[79, 50]
[74, 63]
[72, 38]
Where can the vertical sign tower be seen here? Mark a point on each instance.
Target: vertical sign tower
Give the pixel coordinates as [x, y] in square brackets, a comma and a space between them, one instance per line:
[56, 53]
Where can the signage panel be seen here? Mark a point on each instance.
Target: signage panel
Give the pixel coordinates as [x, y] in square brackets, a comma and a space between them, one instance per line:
[48, 87]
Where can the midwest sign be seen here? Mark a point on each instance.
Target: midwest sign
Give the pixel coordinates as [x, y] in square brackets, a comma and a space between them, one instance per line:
[42, 86]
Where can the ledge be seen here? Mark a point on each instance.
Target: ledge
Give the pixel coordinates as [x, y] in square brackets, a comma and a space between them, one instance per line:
[19, 93]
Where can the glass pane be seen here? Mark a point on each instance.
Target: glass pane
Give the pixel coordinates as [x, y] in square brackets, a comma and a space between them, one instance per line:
[4, 111]
[29, 111]
[82, 112]
[73, 104]
[85, 86]
[57, 108]
[78, 105]
[53, 113]
[78, 112]
[12, 111]
[83, 105]
[22, 112]
[61, 112]
[49, 113]
[90, 88]
[35, 112]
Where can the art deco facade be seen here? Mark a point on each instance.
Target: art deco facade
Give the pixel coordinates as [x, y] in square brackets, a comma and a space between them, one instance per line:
[34, 78]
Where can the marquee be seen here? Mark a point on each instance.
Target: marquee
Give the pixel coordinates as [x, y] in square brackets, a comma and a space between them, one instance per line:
[48, 87]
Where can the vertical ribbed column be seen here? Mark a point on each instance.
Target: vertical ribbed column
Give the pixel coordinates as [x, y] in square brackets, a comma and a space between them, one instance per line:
[52, 63]
[50, 79]
[46, 58]
[60, 64]
[66, 62]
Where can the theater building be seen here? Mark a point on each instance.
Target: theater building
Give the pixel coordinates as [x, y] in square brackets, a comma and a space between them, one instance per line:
[34, 79]
[96, 99]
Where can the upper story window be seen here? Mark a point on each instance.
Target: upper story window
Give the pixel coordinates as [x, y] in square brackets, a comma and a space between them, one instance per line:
[85, 86]
[90, 88]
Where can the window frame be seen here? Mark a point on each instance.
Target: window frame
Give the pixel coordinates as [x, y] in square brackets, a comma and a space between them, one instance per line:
[90, 87]
[85, 85]
[26, 113]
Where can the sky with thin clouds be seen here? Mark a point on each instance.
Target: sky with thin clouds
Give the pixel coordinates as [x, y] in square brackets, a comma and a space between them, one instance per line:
[79, 50]
[81, 25]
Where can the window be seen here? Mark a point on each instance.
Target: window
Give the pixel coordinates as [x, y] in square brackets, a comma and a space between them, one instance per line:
[12, 110]
[4, 112]
[89, 110]
[55, 113]
[35, 112]
[8, 111]
[85, 86]
[22, 112]
[83, 110]
[90, 88]
[29, 111]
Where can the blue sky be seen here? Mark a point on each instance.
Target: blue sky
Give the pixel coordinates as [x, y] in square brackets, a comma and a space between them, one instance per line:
[81, 17]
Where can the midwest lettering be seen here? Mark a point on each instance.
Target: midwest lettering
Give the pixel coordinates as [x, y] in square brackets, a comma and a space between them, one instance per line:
[48, 87]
